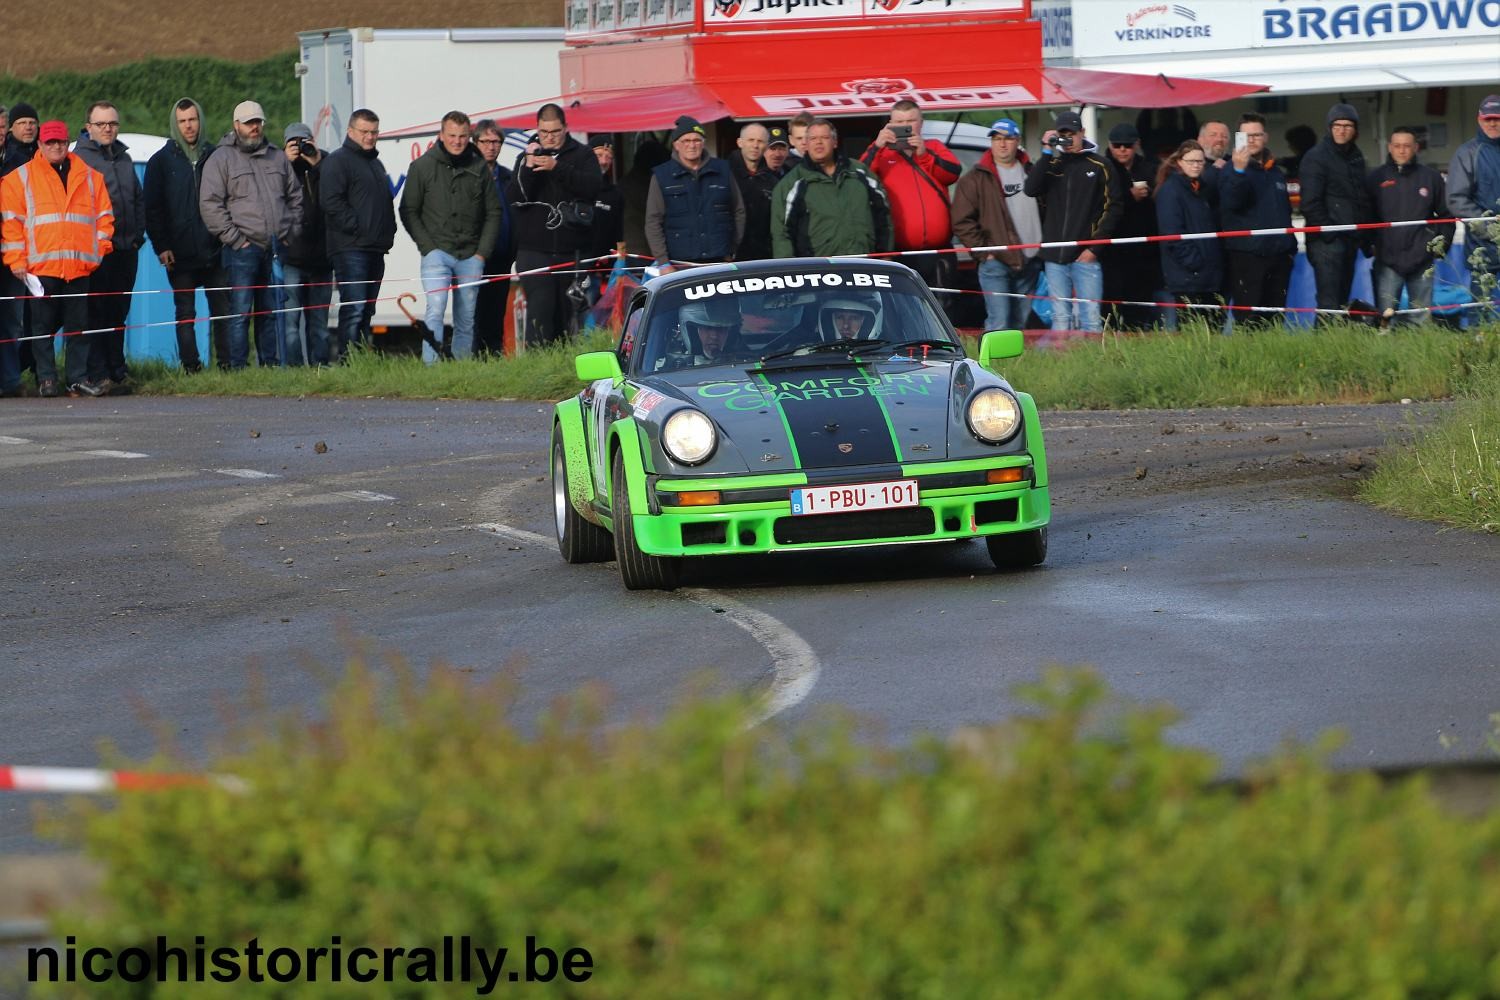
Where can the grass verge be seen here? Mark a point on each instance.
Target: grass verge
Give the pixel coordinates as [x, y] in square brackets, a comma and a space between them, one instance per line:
[1074, 853]
[1198, 367]
[1451, 472]
[541, 373]
[1344, 363]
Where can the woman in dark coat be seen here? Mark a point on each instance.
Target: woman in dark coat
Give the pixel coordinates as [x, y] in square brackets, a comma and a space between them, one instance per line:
[1192, 270]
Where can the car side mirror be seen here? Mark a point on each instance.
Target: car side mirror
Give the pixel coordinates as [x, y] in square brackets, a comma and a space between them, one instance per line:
[598, 364]
[997, 345]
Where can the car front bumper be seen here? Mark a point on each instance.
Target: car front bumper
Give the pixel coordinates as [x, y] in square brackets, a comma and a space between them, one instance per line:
[955, 500]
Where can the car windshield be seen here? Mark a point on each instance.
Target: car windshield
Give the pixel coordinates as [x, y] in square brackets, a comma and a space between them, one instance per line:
[744, 318]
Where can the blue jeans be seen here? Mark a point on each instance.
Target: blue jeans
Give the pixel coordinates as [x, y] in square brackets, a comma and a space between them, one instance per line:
[250, 270]
[1388, 284]
[359, 275]
[995, 276]
[307, 294]
[440, 272]
[1075, 280]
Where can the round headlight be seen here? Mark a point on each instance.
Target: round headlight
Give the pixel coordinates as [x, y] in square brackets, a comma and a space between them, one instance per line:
[994, 415]
[689, 437]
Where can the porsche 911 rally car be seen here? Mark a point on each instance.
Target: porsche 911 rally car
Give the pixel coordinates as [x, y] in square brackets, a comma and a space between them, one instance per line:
[793, 405]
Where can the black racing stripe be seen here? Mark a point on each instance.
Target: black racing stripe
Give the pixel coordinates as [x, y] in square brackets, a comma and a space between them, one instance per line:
[859, 422]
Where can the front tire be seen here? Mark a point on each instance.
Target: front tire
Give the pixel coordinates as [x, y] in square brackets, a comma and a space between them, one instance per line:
[638, 570]
[579, 540]
[1018, 549]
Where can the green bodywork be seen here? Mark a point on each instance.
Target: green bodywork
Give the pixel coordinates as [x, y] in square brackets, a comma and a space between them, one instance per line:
[750, 527]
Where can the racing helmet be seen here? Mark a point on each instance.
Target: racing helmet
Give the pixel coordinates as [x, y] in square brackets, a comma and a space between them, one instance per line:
[708, 312]
[849, 302]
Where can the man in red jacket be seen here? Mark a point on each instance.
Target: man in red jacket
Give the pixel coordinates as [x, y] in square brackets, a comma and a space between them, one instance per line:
[917, 174]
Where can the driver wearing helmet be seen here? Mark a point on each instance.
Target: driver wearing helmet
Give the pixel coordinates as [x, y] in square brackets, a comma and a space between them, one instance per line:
[712, 328]
[848, 316]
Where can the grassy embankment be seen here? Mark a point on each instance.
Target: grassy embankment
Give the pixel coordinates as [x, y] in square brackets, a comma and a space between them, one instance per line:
[145, 92]
[1071, 853]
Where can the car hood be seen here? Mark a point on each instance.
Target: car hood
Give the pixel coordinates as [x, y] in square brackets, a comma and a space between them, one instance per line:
[804, 416]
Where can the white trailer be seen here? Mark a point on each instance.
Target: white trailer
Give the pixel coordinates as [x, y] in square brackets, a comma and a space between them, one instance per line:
[410, 77]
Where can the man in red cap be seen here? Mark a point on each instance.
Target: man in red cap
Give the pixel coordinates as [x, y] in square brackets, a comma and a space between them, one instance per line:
[58, 225]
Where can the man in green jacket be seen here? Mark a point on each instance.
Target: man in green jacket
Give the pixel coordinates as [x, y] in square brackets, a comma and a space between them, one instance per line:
[452, 211]
[829, 204]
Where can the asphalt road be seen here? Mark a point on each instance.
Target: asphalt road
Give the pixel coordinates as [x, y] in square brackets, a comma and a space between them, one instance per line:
[164, 555]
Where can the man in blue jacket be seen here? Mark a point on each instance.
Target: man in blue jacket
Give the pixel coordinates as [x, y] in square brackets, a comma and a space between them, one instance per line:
[1252, 195]
[359, 213]
[694, 210]
[1474, 190]
[182, 242]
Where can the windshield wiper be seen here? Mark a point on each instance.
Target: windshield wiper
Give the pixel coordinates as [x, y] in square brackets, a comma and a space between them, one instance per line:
[848, 347]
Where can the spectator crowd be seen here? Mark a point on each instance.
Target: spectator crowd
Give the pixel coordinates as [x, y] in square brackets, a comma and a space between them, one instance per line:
[270, 231]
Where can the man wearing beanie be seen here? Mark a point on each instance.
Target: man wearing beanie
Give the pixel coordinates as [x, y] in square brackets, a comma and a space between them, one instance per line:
[1474, 190]
[694, 209]
[1334, 194]
[20, 143]
[1134, 271]
[58, 225]
[183, 244]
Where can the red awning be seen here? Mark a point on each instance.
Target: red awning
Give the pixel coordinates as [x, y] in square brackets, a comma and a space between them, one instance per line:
[643, 110]
[1136, 90]
[651, 108]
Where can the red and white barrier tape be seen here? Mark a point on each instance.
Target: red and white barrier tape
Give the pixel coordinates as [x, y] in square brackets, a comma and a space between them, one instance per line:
[1216, 305]
[87, 780]
[567, 267]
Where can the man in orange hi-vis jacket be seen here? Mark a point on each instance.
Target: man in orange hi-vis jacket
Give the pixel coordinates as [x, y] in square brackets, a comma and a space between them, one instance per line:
[57, 226]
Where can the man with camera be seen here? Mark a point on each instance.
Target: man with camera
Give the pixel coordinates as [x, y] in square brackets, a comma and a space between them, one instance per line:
[917, 174]
[305, 270]
[1082, 199]
[552, 189]
[452, 211]
[694, 209]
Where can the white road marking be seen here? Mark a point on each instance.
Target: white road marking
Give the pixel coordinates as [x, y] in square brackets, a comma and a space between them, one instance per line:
[365, 495]
[246, 473]
[514, 534]
[4, 439]
[794, 665]
[107, 453]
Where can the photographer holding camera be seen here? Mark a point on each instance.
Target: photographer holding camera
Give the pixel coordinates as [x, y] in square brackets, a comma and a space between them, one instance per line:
[1082, 199]
[552, 187]
[917, 174]
[306, 270]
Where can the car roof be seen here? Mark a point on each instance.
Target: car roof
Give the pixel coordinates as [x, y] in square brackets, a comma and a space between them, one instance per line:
[693, 275]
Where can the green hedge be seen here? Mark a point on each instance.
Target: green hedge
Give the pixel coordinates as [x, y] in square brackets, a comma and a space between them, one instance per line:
[1073, 853]
[145, 92]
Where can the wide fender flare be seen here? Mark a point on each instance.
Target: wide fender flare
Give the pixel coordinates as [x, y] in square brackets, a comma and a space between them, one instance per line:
[1034, 442]
[581, 491]
[626, 436]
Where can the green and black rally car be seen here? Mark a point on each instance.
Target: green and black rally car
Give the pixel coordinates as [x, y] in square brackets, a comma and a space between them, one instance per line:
[792, 405]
